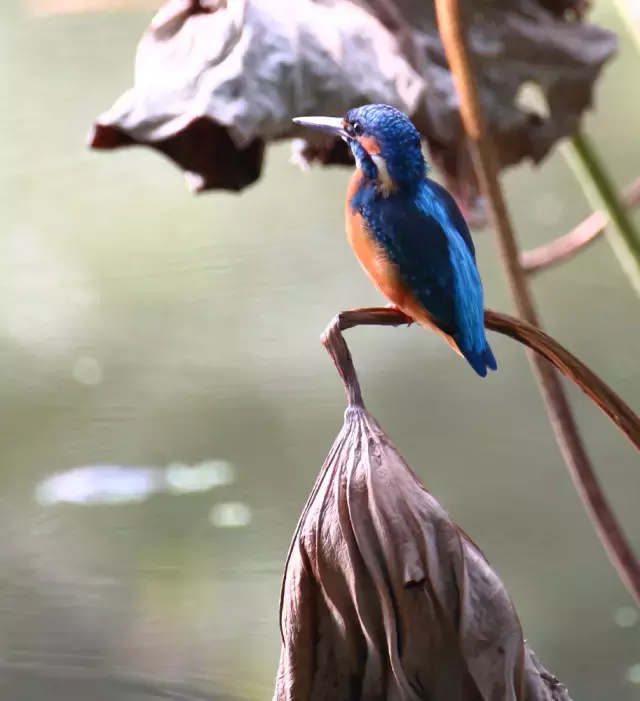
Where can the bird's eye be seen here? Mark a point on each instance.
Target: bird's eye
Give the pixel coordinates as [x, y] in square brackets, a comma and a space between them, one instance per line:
[357, 129]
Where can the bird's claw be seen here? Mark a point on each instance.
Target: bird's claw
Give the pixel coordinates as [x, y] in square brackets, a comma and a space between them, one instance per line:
[396, 308]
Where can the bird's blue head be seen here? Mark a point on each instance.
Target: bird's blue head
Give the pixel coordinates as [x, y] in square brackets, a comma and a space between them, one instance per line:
[384, 142]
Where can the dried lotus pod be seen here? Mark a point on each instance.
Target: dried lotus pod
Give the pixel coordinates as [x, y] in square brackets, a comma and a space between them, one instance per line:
[384, 597]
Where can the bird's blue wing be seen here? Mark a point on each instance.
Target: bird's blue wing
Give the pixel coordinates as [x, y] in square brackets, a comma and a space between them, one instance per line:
[416, 244]
[439, 204]
[452, 211]
[429, 241]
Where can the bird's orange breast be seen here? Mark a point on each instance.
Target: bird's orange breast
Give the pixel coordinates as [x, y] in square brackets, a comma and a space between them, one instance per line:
[372, 257]
[381, 271]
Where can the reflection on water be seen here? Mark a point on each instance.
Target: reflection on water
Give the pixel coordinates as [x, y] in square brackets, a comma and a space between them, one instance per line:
[167, 405]
[232, 515]
[114, 484]
[626, 617]
[633, 675]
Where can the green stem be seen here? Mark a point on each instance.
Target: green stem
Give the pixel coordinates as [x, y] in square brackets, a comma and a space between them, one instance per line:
[631, 20]
[623, 237]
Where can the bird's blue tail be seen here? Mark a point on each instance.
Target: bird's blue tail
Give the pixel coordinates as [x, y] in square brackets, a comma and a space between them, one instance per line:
[481, 361]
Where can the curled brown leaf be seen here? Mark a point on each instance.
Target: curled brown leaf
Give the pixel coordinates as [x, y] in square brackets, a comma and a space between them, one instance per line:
[216, 81]
[384, 597]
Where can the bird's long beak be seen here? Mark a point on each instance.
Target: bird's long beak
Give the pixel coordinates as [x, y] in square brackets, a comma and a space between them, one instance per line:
[330, 125]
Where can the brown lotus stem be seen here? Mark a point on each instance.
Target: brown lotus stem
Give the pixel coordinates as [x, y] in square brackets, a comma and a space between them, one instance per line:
[578, 239]
[534, 338]
[596, 389]
[453, 37]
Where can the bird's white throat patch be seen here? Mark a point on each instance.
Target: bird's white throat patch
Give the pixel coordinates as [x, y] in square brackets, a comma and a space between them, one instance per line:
[386, 183]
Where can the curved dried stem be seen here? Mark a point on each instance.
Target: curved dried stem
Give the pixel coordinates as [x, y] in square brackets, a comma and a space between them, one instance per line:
[596, 389]
[534, 338]
[565, 247]
[452, 33]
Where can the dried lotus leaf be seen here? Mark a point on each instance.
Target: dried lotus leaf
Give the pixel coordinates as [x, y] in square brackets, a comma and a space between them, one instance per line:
[384, 597]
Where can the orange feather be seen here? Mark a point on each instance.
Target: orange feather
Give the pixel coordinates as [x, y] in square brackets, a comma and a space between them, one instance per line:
[380, 270]
[370, 145]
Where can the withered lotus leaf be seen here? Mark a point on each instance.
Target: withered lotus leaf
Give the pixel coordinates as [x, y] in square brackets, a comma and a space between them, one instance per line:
[216, 80]
[385, 598]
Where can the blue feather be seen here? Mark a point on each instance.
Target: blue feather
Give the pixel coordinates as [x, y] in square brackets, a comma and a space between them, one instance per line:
[425, 235]
[437, 202]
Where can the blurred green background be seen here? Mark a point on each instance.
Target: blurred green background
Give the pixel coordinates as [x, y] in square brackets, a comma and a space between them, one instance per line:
[145, 332]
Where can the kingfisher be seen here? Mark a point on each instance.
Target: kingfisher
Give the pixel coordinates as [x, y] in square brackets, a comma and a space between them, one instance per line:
[408, 232]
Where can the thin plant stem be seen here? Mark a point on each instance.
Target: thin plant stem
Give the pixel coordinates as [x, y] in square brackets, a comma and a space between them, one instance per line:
[578, 239]
[584, 160]
[452, 32]
[530, 336]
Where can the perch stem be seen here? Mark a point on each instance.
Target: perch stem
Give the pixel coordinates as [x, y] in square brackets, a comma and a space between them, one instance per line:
[528, 335]
[565, 247]
[584, 160]
[333, 340]
[451, 28]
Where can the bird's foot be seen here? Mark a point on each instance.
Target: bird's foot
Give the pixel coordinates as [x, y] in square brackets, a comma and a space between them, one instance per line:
[396, 308]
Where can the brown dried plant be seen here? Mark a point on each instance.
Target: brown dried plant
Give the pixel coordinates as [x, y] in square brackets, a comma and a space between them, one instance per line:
[383, 595]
